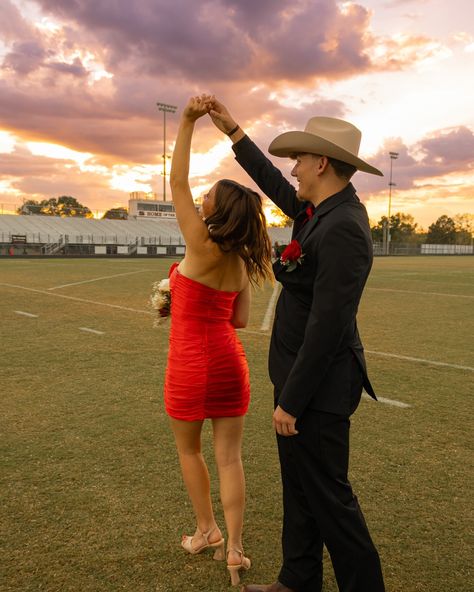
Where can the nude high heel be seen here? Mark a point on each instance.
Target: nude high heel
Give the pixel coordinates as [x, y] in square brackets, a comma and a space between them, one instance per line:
[235, 569]
[187, 544]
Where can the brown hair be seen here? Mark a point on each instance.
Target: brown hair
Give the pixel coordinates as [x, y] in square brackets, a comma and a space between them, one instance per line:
[238, 224]
[343, 170]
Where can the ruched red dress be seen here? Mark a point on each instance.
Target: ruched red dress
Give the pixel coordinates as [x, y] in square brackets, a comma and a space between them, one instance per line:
[207, 374]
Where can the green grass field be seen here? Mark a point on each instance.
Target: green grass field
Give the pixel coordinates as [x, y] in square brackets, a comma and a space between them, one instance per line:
[91, 492]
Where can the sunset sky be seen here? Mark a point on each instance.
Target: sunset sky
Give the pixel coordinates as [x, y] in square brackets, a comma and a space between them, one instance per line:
[79, 82]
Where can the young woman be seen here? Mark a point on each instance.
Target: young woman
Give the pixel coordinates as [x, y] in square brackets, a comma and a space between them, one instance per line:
[227, 250]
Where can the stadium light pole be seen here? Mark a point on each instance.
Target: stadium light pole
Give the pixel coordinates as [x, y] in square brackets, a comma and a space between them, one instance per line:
[393, 156]
[166, 109]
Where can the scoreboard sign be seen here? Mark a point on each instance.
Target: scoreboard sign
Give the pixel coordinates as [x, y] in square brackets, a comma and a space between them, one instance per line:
[18, 239]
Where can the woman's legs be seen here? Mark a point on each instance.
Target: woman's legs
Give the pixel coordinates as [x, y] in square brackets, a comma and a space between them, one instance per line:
[227, 446]
[196, 477]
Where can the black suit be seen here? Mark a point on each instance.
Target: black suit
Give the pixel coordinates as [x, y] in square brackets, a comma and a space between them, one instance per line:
[317, 366]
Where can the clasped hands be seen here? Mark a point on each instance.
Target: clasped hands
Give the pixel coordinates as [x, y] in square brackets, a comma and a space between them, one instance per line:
[208, 104]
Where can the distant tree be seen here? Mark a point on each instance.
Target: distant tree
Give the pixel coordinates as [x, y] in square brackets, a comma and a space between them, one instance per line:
[403, 229]
[278, 218]
[30, 206]
[69, 206]
[377, 230]
[442, 232]
[116, 214]
[64, 206]
[464, 224]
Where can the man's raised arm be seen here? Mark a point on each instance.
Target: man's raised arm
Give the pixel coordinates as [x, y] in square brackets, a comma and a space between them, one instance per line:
[254, 162]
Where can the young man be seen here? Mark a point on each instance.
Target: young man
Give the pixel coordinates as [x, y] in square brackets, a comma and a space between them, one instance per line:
[316, 358]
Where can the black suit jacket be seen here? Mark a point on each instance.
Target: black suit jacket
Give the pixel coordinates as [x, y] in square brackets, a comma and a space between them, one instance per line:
[315, 338]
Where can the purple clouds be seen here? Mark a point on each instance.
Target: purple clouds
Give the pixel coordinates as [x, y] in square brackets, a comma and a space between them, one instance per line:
[87, 75]
[449, 148]
[222, 40]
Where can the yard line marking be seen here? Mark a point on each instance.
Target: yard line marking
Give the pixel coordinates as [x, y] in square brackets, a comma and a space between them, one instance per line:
[267, 319]
[91, 330]
[26, 314]
[253, 332]
[422, 360]
[392, 402]
[105, 277]
[417, 292]
[422, 275]
[147, 312]
[388, 355]
[376, 353]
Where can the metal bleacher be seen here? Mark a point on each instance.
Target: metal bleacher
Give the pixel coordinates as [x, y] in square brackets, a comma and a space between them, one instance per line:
[54, 231]
[279, 235]
[51, 229]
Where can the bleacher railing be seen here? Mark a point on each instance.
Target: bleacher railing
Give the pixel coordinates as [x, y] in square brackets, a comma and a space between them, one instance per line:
[38, 238]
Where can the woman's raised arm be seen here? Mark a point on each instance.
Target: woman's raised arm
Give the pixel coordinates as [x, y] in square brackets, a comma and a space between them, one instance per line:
[194, 230]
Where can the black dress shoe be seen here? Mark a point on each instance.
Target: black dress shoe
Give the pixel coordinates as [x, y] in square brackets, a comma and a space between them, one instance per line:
[276, 587]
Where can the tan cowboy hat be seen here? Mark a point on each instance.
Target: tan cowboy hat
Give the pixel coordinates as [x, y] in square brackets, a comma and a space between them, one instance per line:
[325, 136]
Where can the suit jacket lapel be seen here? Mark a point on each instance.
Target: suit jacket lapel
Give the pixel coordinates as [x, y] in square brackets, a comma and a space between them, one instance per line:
[347, 194]
[307, 229]
[299, 221]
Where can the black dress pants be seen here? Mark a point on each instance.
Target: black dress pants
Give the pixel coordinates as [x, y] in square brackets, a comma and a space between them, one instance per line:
[321, 509]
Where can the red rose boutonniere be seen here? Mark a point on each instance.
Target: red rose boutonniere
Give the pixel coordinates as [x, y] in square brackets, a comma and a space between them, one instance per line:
[292, 255]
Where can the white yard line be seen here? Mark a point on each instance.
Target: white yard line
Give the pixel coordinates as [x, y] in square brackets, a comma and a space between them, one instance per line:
[26, 314]
[417, 292]
[419, 360]
[91, 331]
[267, 319]
[427, 272]
[252, 332]
[104, 277]
[392, 402]
[147, 312]
[414, 275]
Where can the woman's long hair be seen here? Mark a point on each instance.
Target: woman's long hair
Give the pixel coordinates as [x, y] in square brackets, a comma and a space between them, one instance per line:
[238, 224]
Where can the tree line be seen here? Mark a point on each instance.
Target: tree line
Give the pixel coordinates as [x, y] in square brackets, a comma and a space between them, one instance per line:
[67, 206]
[458, 230]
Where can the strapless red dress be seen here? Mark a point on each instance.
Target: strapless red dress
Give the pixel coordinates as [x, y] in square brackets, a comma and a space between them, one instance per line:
[207, 374]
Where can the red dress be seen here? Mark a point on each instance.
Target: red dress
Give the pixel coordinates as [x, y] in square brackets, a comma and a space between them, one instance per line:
[207, 374]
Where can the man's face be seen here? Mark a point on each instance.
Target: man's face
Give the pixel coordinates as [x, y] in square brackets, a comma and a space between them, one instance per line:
[306, 173]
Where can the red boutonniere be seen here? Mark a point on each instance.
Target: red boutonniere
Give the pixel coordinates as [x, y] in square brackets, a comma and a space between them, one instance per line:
[292, 255]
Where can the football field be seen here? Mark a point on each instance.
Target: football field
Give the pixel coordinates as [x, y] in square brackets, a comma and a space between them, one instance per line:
[91, 493]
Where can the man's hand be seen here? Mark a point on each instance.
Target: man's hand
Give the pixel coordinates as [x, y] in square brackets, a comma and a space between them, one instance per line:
[221, 118]
[284, 423]
[196, 107]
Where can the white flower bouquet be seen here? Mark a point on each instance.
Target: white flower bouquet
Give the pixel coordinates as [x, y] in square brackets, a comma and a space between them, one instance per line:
[160, 300]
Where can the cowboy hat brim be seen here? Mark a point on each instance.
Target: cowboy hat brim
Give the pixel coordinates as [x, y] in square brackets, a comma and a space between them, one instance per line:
[290, 143]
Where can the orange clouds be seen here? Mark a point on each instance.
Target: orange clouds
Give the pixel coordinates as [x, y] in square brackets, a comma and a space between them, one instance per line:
[86, 75]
